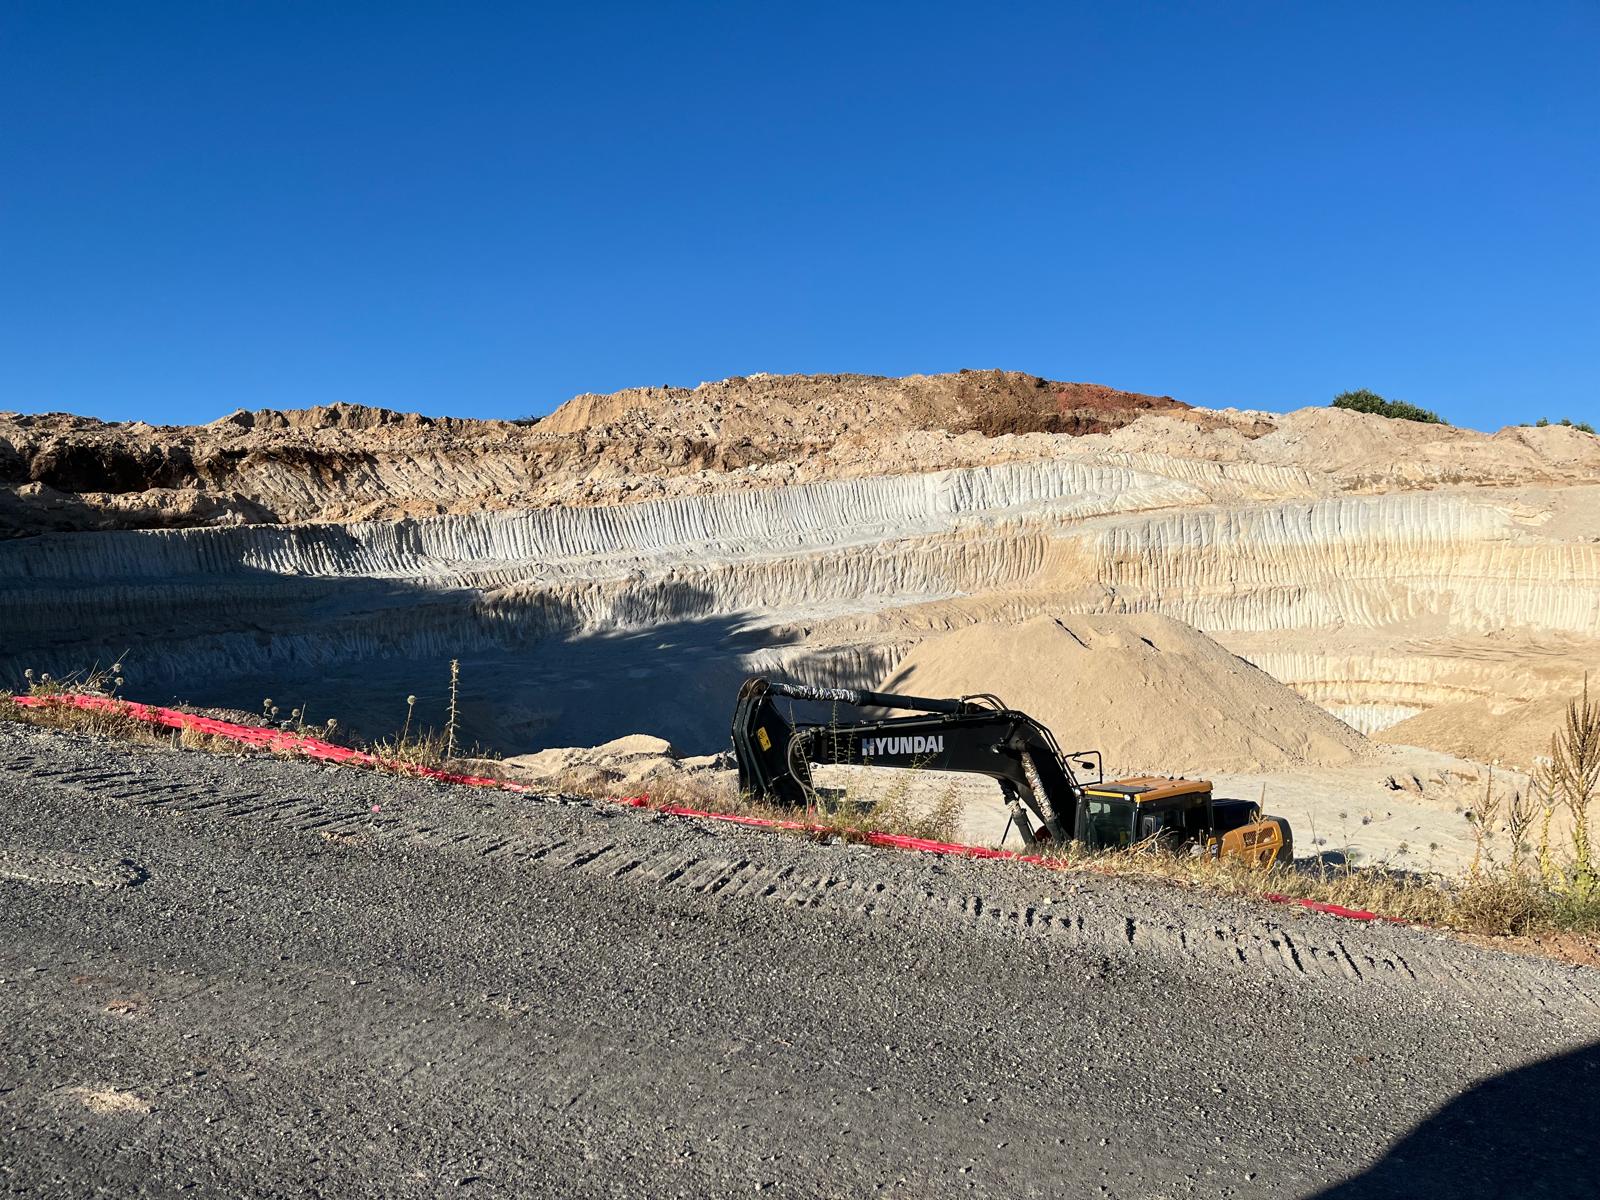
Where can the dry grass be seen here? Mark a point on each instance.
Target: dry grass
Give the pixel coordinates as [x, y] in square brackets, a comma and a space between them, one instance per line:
[847, 816]
[417, 746]
[1498, 903]
[407, 749]
[681, 790]
[1508, 891]
[59, 714]
[894, 812]
[56, 711]
[424, 749]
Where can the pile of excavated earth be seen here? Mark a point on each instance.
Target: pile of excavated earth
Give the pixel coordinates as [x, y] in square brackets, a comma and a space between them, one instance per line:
[1156, 694]
[347, 462]
[1351, 614]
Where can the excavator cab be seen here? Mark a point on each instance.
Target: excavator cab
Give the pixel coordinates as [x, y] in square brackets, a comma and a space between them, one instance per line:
[1107, 823]
[1174, 812]
[1148, 808]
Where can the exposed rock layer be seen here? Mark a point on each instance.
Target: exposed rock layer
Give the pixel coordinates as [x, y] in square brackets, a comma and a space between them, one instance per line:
[1381, 568]
[345, 462]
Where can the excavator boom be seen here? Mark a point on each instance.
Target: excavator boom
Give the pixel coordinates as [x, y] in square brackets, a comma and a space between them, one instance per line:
[973, 734]
[980, 735]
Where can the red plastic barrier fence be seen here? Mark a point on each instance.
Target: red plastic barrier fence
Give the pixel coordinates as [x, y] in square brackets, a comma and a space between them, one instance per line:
[278, 740]
[282, 741]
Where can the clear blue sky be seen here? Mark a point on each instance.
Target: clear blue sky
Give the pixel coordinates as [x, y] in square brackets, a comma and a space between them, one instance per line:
[482, 208]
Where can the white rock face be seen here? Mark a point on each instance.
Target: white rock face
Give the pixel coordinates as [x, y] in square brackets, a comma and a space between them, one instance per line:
[576, 625]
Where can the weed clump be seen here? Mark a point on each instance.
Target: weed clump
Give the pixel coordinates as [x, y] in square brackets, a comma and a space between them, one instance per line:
[1565, 422]
[415, 745]
[54, 708]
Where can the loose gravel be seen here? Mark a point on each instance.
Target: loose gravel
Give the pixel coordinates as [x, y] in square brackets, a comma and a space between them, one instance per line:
[257, 977]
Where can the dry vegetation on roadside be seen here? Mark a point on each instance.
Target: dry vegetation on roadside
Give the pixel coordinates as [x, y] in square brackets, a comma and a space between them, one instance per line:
[412, 746]
[1496, 904]
[61, 714]
[1522, 882]
[58, 712]
[845, 816]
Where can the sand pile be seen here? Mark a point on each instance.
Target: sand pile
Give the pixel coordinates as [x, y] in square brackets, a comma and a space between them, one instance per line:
[622, 763]
[1151, 693]
[1514, 734]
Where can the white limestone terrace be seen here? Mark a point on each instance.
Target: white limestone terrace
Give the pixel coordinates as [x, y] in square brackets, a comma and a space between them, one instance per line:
[497, 547]
[578, 624]
[219, 614]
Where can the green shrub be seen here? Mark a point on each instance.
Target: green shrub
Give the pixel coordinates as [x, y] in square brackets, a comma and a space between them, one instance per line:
[1568, 422]
[1367, 401]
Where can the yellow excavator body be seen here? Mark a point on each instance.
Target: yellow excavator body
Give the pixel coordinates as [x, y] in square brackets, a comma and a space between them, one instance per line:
[1260, 843]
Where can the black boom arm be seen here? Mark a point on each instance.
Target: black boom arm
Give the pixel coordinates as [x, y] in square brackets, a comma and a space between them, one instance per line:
[974, 734]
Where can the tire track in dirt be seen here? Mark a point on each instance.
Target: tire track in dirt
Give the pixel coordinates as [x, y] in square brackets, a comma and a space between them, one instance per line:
[841, 884]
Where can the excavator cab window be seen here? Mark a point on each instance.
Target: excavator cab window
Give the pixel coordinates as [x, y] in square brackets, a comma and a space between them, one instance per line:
[1182, 821]
[1110, 822]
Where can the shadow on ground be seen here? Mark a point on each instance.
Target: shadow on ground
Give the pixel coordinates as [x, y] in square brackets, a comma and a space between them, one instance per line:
[524, 687]
[538, 667]
[1527, 1133]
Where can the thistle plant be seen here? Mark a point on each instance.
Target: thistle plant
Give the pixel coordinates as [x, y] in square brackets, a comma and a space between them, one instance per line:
[1573, 777]
[453, 723]
[1520, 809]
[1482, 816]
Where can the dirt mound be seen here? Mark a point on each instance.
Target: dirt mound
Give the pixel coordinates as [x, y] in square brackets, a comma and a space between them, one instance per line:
[1514, 735]
[346, 462]
[1150, 692]
[823, 408]
[631, 761]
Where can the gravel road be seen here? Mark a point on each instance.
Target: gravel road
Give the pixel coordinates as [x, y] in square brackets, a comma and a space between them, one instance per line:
[250, 977]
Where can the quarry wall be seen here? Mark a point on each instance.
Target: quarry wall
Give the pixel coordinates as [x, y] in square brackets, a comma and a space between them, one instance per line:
[828, 581]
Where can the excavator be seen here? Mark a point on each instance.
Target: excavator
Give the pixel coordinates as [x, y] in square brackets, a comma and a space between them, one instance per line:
[1048, 801]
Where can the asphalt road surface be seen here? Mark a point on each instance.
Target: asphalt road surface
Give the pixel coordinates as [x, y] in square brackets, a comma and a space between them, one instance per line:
[248, 977]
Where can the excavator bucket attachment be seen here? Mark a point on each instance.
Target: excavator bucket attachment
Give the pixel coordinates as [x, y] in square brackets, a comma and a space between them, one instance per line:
[1260, 843]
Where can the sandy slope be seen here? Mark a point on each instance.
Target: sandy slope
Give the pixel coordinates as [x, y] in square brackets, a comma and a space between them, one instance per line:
[620, 566]
[1151, 693]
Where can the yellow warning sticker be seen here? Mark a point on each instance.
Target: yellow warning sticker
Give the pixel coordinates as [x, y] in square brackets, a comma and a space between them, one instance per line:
[762, 738]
